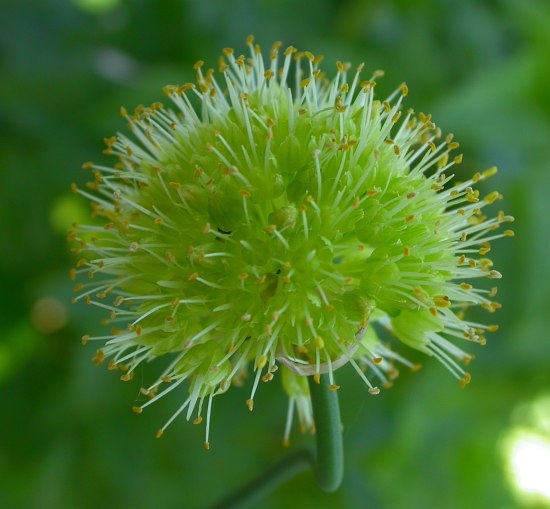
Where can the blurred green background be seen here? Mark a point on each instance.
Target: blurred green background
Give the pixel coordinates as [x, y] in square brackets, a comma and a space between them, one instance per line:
[67, 436]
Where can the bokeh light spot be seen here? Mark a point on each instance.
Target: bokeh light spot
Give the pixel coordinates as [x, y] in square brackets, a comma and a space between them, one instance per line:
[526, 447]
[96, 6]
[49, 315]
[65, 210]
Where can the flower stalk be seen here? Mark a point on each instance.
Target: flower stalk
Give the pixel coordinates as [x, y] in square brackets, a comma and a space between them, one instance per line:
[327, 462]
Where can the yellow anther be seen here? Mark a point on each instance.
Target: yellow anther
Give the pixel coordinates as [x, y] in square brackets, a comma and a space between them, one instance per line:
[508, 233]
[458, 159]
[492, 197]
[443, 160]
[319, 342]
[420, 293]
[424, 118]
[290, 51]
[485, 263]
[137, 409]
[261, 361]
[472, 195]
[159, 433]
[466, 286]
[197, 420]
[374, 391]
[490, 172]
[317, 378]
[250, 404]
[441, 301]
[333, 387]
[339, 66]
[318, 59]
[305, 83]
[127, 376]
[267, 377]
[404, 89]
[98, 358]
[406, 251]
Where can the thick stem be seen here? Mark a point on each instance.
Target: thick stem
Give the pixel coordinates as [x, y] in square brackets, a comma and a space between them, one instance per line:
[328, 462]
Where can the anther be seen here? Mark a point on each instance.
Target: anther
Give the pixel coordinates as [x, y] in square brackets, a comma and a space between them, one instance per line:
[441, 301]
[261, 361]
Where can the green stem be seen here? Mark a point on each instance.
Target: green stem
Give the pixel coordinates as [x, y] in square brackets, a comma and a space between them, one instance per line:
[328, 462]
[267, 481]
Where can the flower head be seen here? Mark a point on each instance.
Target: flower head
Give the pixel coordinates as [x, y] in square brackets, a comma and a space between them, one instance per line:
[268, 220]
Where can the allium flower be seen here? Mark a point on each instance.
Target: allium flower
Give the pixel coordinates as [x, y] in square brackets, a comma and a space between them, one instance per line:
[264, 224]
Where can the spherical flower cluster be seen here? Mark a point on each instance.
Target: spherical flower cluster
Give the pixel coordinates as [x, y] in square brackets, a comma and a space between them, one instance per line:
[268, 222]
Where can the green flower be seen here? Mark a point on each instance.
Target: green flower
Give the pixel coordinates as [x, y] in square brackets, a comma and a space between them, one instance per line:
[268, 221]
